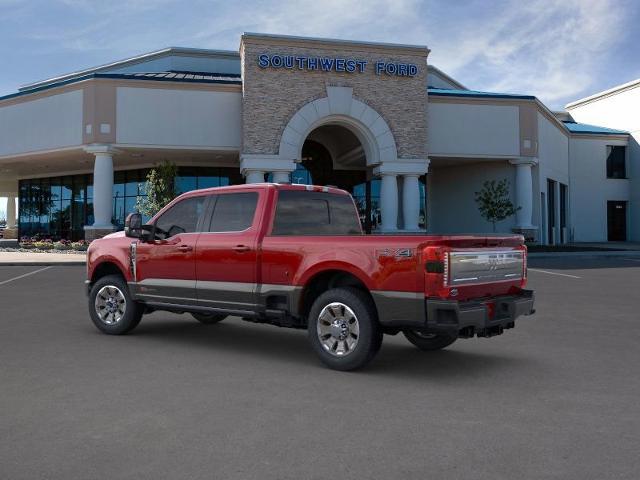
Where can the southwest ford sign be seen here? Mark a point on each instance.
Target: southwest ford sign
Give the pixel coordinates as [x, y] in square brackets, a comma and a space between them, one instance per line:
[331, 64]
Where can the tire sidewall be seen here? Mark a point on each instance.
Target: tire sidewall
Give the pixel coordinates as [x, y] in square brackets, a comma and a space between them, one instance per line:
[132, 314]
[369, 338]
[438, 342]
[208, 319]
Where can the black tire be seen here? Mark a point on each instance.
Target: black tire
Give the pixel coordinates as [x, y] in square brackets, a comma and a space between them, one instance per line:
[128, 315]
[367, 340]
[208, 318]
[429, 342]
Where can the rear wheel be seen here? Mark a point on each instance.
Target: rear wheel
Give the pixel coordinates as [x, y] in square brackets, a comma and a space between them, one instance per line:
[111, 307]
[343, 328]
[208, 318]
[429, 341]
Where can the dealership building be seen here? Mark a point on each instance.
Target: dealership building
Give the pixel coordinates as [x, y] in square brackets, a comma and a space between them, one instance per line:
[410, 143]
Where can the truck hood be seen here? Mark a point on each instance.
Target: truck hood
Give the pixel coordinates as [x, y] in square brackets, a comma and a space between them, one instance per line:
[115, 234]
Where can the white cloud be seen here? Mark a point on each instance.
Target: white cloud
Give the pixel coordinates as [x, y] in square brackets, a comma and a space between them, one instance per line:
[554, 49]
[547, 48]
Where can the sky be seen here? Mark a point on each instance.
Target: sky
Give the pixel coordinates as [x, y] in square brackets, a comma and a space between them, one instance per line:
[558, 50]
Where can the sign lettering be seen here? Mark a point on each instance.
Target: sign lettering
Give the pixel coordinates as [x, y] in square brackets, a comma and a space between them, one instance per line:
[331, 64]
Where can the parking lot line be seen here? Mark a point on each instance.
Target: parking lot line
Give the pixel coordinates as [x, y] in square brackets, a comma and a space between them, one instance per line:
[25, 275]
[553, 273]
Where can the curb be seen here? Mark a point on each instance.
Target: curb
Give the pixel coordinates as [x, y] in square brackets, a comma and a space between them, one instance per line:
[605, 254]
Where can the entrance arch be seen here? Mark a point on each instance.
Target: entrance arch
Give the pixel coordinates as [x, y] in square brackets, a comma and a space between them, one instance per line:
[340, 108]
[357, 139]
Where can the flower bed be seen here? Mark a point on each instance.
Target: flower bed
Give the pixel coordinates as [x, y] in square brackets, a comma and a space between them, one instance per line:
[48, 245]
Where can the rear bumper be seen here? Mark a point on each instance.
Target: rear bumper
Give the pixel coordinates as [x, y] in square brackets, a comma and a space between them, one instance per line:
[483, 318]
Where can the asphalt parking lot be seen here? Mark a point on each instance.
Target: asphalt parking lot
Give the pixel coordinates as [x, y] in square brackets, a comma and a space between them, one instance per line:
[557, 397]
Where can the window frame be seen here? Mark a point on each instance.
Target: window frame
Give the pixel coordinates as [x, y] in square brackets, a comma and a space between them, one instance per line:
[213, 203]
[315, 234]
[608, 150]
[199, 223]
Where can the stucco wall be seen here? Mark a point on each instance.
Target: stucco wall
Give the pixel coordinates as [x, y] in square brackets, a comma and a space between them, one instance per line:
[452, 195]
[464, 129]
[165, 117]
[45, 123]
[621, 111]
[590, 189]
[271, 96]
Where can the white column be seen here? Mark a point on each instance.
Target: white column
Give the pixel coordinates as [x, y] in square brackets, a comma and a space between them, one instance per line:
[254, 176]
[389, 202]
[102, 186]
[524, 192]
[281, 177]
[410, 202]
[11, 212]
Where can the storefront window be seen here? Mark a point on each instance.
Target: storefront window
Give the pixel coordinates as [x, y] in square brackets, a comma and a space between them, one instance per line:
[60, 207]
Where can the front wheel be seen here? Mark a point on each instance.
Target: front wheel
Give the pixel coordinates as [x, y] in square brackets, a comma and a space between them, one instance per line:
[429, 341]
[343, 328]
[111, 307]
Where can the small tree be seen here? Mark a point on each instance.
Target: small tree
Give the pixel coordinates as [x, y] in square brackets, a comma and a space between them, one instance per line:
[160, 189]
[494, 203]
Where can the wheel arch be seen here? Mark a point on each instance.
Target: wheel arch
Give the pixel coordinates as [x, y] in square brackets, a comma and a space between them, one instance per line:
[107, 267]
[325, 279]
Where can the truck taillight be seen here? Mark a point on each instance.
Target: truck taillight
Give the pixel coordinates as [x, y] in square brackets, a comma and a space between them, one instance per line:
[523, 282]
[436, 272]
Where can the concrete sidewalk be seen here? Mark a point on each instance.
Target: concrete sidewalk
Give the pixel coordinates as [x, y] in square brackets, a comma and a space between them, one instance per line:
[33, 258]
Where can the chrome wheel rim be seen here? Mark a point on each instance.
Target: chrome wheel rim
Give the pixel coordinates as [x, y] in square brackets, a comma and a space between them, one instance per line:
[110, 305]
[338, 329]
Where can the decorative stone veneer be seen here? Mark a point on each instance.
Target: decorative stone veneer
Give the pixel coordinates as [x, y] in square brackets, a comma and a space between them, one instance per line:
[272, 96]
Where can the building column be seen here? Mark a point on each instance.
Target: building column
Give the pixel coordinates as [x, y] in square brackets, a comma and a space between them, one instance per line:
[11, 232]
[524, 192]
[411, 202]
[11, 212]
[281, 176]
[254, 176]
[102, 191]
[389, 202]
[254, 166]
[409, 170]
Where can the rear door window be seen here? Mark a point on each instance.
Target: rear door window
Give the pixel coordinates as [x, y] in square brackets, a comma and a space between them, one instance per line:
[233, 212]
[315, 213]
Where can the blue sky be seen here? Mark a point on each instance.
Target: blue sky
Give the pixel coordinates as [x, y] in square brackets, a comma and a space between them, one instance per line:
[557, 50]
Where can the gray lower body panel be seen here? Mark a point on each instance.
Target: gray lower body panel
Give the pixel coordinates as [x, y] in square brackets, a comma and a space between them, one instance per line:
[399, 309]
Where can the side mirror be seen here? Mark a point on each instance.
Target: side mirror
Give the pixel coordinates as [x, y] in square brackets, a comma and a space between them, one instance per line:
[133, 225]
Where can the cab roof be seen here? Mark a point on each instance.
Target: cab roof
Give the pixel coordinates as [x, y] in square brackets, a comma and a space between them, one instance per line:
[269, 185]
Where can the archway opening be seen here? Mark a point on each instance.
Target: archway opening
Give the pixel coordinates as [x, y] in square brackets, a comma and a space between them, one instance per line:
[333, 155]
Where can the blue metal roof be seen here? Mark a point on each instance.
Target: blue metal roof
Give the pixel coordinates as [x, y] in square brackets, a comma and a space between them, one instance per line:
[575, 127]
[444, 92]
[187, 77]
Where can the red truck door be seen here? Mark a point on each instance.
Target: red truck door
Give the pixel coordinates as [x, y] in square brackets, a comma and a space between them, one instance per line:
[165, 269]
[227, 252]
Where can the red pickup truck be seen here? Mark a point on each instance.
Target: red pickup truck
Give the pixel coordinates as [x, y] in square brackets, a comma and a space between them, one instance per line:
[295, 256]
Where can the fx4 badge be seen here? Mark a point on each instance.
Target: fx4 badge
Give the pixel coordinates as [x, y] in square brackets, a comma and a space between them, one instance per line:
[396, 252]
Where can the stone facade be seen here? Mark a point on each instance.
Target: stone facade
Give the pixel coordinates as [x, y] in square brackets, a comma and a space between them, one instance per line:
[272, 96]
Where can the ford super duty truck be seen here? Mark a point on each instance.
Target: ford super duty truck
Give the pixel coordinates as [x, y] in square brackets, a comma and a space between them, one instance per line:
[295, 256]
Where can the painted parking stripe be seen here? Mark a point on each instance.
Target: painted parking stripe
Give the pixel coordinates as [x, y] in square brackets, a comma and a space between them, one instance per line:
[25, 275]
[553, 273]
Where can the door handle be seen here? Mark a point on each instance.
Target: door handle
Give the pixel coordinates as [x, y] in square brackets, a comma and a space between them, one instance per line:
[241, 248]
[185, 248]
